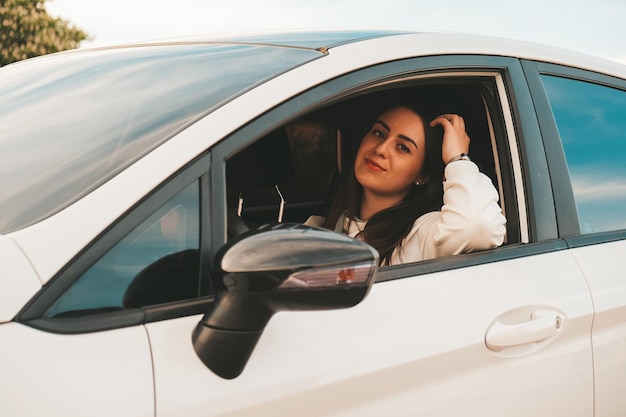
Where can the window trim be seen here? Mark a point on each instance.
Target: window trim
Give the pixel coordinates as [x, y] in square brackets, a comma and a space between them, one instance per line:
[563, 195]
[464, 260]
[595, 238]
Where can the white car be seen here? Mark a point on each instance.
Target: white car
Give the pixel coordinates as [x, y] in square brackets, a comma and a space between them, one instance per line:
[153, 261]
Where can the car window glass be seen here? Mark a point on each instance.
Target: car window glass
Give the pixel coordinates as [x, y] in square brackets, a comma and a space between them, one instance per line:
[98, 111]
[592, 127]
[156, 262]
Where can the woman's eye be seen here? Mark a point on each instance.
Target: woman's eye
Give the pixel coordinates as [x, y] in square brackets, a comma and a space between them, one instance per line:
[404, 148]
[378, 133]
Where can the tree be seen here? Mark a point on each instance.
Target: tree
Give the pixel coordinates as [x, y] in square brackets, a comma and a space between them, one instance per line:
[27, 30]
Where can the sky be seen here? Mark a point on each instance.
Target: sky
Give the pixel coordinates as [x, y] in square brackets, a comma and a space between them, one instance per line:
[595, 27]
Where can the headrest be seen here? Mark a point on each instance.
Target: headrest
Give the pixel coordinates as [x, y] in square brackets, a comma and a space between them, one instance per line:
[267, 161]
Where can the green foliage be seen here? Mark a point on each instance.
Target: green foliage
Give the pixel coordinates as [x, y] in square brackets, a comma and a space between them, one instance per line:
[27, 30]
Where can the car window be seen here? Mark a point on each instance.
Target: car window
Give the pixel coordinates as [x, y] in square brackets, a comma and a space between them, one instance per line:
[591, 124]
[295, 169]
[156, 262]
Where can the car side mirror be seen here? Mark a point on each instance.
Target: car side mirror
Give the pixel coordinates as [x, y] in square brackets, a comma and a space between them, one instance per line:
[277, 268]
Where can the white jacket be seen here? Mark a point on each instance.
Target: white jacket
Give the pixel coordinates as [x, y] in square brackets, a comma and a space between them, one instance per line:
[470, 219]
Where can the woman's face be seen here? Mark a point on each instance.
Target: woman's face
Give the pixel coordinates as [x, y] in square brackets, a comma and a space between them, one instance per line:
[391, 155]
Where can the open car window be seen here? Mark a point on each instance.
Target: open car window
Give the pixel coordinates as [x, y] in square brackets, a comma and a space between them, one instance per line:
[291, 173]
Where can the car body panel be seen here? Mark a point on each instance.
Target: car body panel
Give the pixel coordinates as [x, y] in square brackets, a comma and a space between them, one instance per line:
[18, 280]
[607, 282]
[95, 374]
[414, 346]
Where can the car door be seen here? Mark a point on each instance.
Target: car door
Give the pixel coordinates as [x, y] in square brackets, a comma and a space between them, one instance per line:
[500, 332]
[584, 118]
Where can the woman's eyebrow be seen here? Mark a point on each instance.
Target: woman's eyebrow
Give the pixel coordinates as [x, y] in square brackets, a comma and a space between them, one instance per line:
[408, 139]
[383, 124]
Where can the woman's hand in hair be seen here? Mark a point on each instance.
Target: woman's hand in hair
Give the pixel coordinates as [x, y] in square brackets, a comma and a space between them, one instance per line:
[455, 139]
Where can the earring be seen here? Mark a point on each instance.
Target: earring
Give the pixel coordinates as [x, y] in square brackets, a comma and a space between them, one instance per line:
[418, 181]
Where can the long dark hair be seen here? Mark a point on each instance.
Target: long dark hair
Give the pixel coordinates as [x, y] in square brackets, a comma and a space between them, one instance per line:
[387, 229]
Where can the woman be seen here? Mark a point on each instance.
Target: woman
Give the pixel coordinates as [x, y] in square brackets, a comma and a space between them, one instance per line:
[392, 199]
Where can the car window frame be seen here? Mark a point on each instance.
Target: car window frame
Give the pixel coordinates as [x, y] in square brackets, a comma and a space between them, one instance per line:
[538, 195]
[565, 205]
[32, 313]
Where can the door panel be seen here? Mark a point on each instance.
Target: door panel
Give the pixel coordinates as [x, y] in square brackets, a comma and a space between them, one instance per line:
[415, 346]
[95, 374]
[607, 281]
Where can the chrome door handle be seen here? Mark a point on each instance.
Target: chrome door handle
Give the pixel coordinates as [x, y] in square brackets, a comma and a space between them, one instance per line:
[543, 324]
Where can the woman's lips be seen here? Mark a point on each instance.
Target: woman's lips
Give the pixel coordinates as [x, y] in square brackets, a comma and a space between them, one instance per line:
[373, 165]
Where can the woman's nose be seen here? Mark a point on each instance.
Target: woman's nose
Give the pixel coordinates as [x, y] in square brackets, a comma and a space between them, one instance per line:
[382, 148]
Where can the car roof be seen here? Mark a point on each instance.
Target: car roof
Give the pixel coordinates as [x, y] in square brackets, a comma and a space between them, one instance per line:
[317, 39]
[424, 42]
[308, 38]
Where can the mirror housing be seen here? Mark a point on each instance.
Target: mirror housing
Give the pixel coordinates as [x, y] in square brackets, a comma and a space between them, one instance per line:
[277, 268]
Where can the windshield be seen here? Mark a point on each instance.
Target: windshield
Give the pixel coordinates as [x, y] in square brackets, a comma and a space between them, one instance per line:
[69, 122]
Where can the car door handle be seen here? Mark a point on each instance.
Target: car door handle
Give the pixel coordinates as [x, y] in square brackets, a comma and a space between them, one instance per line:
[543, 324]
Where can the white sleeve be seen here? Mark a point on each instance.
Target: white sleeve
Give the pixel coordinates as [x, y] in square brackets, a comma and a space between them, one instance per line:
[469, 220]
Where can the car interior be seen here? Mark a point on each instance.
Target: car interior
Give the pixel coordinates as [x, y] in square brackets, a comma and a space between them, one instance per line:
[291, 173]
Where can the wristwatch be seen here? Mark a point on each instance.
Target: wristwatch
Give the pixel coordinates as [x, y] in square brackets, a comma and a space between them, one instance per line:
[461, 157]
